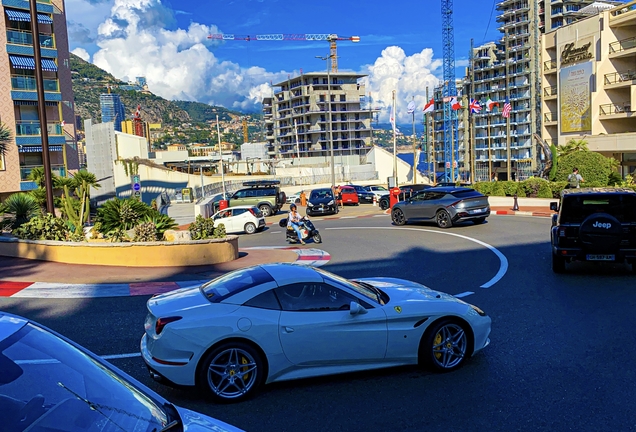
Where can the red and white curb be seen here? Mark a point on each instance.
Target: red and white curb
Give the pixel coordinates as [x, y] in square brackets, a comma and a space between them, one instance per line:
[309, 256]
[521, 213]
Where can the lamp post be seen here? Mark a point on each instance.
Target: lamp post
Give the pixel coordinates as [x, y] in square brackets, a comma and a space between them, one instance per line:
[333, 172]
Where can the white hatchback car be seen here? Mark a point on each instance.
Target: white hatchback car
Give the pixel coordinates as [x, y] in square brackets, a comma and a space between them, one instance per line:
[248, 219]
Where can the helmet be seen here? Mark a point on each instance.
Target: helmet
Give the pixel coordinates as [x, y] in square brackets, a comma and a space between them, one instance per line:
[292, 206]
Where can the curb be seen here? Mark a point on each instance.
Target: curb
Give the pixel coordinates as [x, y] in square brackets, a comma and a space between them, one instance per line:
[310, 256]
[521, 213]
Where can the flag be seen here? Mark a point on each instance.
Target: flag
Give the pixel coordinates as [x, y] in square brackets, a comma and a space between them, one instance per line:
[475, 106]
[455, 104]
[392, 119]
[63, 123]
[430, 106]
[506, 109]
[490, 105]
[411, 107]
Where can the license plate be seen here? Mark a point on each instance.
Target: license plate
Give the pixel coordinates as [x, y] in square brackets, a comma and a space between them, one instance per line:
[601, 258]
[481, 210]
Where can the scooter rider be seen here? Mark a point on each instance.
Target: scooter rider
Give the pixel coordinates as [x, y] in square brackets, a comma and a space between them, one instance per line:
[293, 220]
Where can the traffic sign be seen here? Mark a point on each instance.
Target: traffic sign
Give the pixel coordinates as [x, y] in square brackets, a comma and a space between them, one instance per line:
[135, 178]
[136, 187]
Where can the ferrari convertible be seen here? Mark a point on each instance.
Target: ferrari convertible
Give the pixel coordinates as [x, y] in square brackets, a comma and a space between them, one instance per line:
[276, 322]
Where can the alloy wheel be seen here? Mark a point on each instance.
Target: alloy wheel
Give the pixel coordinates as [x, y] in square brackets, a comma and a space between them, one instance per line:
[449, 346]
[398, 217]
[232, 373]
[443, 219]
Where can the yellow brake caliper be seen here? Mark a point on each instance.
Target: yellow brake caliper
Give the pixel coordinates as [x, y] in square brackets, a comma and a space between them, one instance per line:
[437, 341]
[244, 361]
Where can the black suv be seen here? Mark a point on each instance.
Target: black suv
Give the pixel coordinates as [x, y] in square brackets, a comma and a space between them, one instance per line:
[264, 194]
[594, 224]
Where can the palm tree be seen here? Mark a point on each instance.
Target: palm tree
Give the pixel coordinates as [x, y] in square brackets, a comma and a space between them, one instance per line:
[17, 209]
[5, 139]
[572, 146]
[87, 179]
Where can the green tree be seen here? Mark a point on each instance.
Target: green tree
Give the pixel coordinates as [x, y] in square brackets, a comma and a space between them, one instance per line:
[86, 179]
[5, 139]
[572, 146]
[593, 167]
[18, 209]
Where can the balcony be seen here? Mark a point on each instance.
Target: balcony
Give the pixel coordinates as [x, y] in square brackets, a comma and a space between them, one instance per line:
[550, 66]
[622, 45]
[625, 16]
[19, 37]
[25, 170]
[32, 128]
[550, 92]
[550, 117]
[26, 82]
[620, 78]
[617, 108]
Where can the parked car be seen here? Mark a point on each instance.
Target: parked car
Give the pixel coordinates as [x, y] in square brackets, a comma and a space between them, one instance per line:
[247, 219]
[276, 322]
[364, 195]
[407, 191]
[295, 198]
[321, 202]
[443, 205]
[594, 224]
[50, 383]
[264, 194]
[379, 191]
[349, 196]
[216, 200]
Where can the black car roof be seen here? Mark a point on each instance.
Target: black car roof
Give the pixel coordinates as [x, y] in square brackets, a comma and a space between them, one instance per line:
[597, 190]
[450, 189]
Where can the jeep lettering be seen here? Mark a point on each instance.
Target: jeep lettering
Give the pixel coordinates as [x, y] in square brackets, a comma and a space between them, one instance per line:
[598, 224]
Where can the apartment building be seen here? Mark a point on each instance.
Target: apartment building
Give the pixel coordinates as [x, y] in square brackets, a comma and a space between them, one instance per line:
[589, 81]
[18, 95]
[307, 112]
[112, 109]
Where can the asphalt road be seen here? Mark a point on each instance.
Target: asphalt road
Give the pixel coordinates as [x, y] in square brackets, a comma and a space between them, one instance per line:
[561, 356]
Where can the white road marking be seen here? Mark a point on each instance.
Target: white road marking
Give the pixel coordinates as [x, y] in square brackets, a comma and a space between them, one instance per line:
[120, 356]
[464, 294]
[503, 261]
[349, 217]
[382, 215]
[275, 232]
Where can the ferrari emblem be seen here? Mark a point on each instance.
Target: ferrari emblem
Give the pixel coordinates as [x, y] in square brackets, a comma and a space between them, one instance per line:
[398, 309]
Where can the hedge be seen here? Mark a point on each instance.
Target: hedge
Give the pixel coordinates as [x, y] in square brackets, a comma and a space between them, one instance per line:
[532, 188]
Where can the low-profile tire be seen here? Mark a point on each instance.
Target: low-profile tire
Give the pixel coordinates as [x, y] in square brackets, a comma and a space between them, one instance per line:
[317, 238]
[479, 221]
[445, 346]
[249, 228]
[398, 218]
[266, 210]
[383, 205]
[558, 264]
[443, 219]
[231, 372]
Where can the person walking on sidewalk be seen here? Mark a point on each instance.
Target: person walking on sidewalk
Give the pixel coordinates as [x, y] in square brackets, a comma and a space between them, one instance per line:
[575, 179]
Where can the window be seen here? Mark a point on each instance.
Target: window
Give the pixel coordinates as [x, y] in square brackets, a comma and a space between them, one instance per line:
[236, 212]
[266, 300]
[2, 167]
[234, 282]
[312, 297]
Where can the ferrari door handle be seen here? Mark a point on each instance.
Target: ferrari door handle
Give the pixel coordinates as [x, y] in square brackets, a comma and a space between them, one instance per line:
[288, 329]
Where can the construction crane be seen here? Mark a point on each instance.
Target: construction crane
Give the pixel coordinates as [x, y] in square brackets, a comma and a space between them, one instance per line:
[449, 90]
[245, 131]
[331, 38]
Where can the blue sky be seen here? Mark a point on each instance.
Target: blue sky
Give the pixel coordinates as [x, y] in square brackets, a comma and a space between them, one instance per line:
[165, 41]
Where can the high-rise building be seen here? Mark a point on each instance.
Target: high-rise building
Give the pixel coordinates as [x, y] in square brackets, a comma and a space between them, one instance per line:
[112, 109]
[510, 69]
[18, 93]
[300, 122]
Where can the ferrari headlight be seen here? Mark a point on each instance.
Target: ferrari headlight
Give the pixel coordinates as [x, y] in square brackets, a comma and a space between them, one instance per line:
[330, 202]
[476, 309]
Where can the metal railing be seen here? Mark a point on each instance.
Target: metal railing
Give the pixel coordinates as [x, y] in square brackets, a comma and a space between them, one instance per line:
[549, 65]
[620, 108]
[550, 117]
[617, 77]
[32, 128]
[622, 45]
[550, 91]
[26, 82]
[19, 37]
[58, 170]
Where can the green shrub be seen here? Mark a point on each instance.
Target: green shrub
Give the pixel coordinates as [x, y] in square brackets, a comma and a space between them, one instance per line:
[614, 179]
[557, 187]
[593, 167]
[145, 232]
[18, 209]
[219, 231]
[532, 186]
[201, 228]
[119, 215]
[521, 192]
[509, 186]
[545, 191]
[162, 222]
[47, 227]
[498, 189]
[484, 187]
[555, 163]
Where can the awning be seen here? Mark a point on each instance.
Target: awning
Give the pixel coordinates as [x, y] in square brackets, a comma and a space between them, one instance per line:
[26, 17]
[20, 62]
[38, 149]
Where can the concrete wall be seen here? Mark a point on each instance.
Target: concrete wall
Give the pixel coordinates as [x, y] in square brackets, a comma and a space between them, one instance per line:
[101, 151]
[382, 160]
[155, 254]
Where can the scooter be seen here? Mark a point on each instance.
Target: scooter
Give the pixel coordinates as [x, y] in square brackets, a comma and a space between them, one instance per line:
[307, 228]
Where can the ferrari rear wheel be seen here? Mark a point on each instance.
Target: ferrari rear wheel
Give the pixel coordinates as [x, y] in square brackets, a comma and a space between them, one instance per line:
[445, 346]
[232, 372]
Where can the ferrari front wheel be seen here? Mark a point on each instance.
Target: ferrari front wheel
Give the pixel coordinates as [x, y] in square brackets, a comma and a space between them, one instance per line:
[445, 347]
[231, 372]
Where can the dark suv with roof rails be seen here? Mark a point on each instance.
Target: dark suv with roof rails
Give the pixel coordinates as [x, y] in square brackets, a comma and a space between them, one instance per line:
[594, 224]
[264, 194]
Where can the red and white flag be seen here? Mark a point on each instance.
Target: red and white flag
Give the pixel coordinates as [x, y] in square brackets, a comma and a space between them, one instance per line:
[455, 104]
[491, 104]
[506, 109]
[430, 106]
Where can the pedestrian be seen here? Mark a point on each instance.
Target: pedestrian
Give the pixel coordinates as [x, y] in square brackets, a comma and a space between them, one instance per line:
[339, 197]
[493, 177]
[575, 179]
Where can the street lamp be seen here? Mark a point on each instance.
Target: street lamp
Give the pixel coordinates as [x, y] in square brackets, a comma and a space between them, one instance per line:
[333, 172]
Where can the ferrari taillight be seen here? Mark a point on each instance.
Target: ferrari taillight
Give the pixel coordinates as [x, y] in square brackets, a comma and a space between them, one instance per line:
[162, 322]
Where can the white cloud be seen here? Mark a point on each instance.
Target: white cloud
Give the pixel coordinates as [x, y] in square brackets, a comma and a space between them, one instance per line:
[82, 53]
[409, 76]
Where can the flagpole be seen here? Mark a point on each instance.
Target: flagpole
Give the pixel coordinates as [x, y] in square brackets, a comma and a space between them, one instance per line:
[430, 143]
[452, 167]
[414, 147]
[489, 150]
[508, 162]
[472, 140]
[395, 179]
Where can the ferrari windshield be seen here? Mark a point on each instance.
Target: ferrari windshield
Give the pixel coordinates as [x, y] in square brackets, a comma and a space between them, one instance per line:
[48, 384]
[234, 282]
[366, 291]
